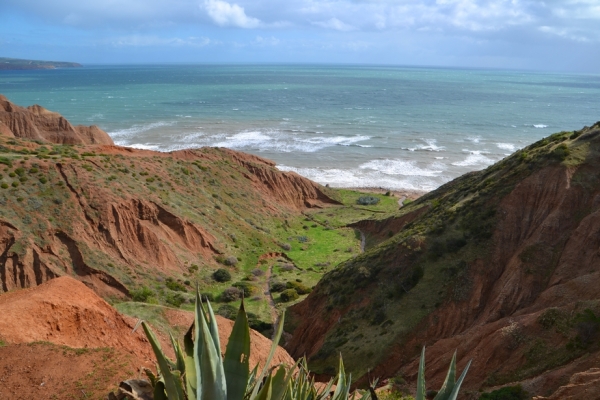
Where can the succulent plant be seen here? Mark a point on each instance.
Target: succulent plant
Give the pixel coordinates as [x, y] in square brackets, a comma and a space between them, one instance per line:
[200, 373]
[451, 386]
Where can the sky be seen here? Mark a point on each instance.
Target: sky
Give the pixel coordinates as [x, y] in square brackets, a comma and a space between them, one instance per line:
[551, 35]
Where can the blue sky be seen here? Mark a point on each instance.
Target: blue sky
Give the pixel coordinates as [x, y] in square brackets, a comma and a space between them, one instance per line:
[518, 34]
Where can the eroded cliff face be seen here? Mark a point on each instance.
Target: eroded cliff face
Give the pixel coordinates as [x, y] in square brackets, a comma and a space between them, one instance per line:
[496, 265]
[115, 217]
[37, 123]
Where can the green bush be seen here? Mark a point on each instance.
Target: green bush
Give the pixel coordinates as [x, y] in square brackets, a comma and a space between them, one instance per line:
[298, 287]
[174, 299]
[4, 185]
[288, 295]
[15, 184]
[507, 393]
[207, 297]
[277, 287]
[174, 285]
[247, 288]
[142, 294]
[227, 311]
[222, 275]
[561, 152]
[367, 200]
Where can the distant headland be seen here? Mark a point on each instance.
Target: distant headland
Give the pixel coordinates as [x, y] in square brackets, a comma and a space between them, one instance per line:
[19, 64]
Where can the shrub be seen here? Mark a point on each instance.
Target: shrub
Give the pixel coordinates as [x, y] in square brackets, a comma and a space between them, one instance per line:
[230, 294]
[507, 393]
[227, 311]
[247, 288]
[287, 267]
[258, 272]
[15, 184]
[43, 179]
[4, 185]
[174, 285]
[231, 261]
[142, 294]
[298, 287]
[174, 299]
[207, 297]
[222, 275]
[277, 287]
[285, 246]
[367, 200]
[288, 295]
[561, 152]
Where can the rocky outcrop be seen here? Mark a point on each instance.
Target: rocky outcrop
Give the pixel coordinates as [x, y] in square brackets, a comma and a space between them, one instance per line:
[37, 123]
[583, 385]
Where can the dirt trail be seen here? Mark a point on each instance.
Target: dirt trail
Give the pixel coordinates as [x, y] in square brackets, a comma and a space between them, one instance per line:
[274, 313]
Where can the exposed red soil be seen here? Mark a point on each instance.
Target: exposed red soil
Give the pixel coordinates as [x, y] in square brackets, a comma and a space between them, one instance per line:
[37, 123]
[66, 312]
[47, 371]
[101, 347]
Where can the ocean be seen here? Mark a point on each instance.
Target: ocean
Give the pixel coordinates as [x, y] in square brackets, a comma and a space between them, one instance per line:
[347, 126]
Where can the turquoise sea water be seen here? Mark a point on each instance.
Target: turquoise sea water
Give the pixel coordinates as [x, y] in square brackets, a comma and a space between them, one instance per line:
[392, 127]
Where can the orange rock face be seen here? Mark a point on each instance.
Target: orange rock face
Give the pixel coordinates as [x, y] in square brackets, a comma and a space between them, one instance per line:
[37, 123]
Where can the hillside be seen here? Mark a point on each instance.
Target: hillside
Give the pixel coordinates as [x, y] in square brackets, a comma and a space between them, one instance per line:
[501, 264]
[20, 64]
[148, 226]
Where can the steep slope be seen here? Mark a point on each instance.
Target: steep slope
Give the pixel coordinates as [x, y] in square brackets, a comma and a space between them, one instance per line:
[499, 264]
[37, 123]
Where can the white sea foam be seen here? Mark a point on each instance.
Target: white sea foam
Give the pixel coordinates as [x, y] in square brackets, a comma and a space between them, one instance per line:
[506, 146]
[403, 167]
[280, 141]
[96, 117]
[336, 177]
[474, 139]
[475, 158]
[540, 126]
[141, 146]
[429, 146]
[137, 129]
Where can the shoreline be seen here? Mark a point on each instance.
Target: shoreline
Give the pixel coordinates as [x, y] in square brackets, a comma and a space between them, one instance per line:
[402, 194]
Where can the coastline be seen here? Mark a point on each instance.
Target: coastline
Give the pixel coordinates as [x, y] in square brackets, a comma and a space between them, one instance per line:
[401, 194]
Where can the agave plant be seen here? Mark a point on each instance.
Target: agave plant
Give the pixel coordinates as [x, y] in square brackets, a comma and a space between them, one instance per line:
[199, 372]
[451, 386]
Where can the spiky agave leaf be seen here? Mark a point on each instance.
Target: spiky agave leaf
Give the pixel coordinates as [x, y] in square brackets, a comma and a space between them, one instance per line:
[172, 381]
[449, 383]
[421, 377]
[278, 333]
[212, 374]
[459, 382]
[237, 357]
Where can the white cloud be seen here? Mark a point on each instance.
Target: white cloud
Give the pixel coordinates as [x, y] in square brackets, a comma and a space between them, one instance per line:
[564, 33]
[336, 24]
[266, 41]
[225, 14]
[150, 40]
